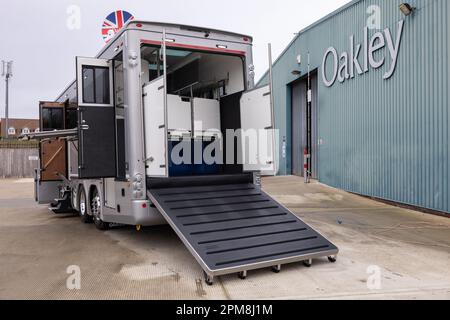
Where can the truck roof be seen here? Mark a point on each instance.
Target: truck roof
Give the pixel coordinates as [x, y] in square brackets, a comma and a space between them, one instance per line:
[133, 25]
[185, 27]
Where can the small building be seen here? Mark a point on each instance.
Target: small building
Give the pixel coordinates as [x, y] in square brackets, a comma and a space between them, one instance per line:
[379, 114]
[16, 127]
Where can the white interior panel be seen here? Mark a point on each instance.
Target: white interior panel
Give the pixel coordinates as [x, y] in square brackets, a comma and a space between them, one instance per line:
[179, 114]
[155, 133]
[257, 136]
[206, 116]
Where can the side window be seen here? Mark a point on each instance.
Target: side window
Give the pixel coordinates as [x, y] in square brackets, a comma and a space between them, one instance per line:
[95, 85]
[119, 84]
[52, 119]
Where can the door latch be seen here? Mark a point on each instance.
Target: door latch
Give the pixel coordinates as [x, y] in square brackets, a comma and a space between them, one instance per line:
[84, 125]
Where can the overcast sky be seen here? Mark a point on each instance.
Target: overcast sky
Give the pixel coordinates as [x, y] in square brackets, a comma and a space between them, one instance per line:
[35, 35]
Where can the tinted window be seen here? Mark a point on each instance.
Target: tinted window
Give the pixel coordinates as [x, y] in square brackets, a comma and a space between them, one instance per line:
[52, 119]
[88, 85]
[102, 86]
[96, 85]
[71, 118]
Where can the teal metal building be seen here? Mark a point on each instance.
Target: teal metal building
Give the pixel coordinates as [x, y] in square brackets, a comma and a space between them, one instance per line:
[380, 108]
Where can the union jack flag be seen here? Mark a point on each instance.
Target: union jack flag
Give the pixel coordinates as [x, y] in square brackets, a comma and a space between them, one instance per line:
[114, 22]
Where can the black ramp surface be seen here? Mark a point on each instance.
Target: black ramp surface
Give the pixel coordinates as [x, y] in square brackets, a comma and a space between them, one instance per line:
[227, 227]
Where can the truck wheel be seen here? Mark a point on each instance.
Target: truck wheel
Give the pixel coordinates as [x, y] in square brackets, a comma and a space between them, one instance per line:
[83, 206]
[96, 209]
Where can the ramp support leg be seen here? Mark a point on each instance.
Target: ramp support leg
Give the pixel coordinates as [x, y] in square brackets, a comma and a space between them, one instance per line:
[332, 259]
[242, 275]
[277, 268]
[208, 279]
[308, 263]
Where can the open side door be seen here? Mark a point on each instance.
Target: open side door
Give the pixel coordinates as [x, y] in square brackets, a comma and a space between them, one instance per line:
[96, 117]
[155, 128]
[257, 121]
[53, 153]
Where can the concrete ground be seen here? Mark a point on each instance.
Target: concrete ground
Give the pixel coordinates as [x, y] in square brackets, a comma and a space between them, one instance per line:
[385, 253]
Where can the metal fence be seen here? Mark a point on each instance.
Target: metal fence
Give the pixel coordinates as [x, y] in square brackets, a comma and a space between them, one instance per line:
[18, 159]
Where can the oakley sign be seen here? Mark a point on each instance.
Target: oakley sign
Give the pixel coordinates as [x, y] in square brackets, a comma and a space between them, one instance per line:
[346, 66]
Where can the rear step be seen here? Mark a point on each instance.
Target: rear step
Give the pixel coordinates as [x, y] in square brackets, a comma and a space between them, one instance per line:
[236, 228]
[62, 205]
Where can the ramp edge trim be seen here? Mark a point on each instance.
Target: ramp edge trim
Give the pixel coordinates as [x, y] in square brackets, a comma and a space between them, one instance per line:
[243, 267]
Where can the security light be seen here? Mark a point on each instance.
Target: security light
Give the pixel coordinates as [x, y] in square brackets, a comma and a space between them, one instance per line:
[407, 9]
[296, 72]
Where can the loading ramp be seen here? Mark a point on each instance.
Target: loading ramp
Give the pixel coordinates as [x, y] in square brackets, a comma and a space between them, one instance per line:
[234, 228]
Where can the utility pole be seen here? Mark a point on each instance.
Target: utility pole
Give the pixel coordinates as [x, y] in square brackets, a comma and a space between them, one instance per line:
[7, 73]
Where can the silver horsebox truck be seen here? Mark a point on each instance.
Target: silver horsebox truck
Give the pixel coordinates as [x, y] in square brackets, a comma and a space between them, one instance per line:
[107, 148]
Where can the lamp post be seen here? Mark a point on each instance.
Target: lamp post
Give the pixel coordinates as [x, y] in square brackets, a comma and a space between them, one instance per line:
[7, 73]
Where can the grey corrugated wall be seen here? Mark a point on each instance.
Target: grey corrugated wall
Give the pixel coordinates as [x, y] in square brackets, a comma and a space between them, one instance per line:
[382, 138]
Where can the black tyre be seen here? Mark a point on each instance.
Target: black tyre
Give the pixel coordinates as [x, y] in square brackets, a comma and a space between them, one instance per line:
[96, 209]
[83, 206]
